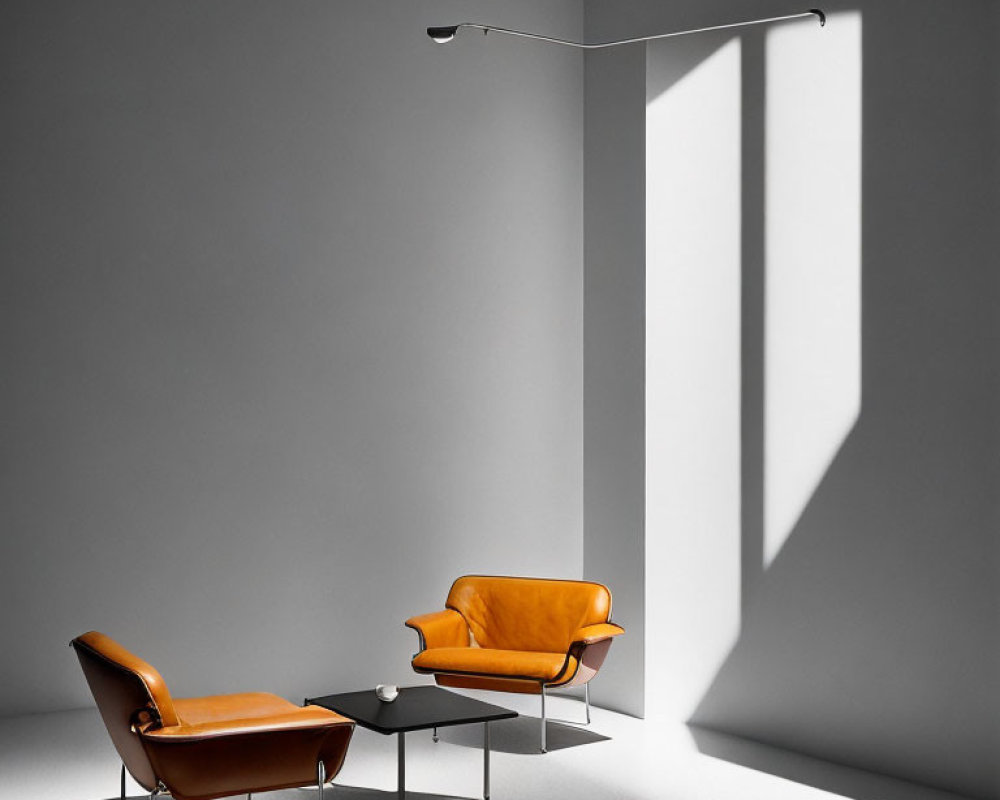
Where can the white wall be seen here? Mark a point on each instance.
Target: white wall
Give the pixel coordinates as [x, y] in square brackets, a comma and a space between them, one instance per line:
[292, 331]
[291, 323]
[693, 364]
[871, 638]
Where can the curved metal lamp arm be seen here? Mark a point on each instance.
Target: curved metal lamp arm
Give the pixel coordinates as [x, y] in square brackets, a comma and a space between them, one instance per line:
[446, 33]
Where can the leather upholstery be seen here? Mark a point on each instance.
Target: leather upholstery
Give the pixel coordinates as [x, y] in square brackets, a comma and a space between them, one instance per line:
[480, 661]
[489, 683]
[528, 613]
[441, 629]
[207, 747]
[590, 634]
[516, 634]
[123, 685]
[221, 707]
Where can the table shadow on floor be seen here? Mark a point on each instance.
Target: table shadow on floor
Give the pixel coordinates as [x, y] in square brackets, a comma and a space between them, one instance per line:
[339, 791]
[521, 735]
[360, 793]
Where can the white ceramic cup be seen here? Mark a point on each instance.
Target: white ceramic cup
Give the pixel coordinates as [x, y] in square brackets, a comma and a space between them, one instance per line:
[386, 693]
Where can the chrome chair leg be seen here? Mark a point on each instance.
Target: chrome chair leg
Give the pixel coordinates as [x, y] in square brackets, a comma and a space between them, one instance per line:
[544, 750]
[435, 735]
[486, 761]
[586, 694]
[320, 777]
[123, 782]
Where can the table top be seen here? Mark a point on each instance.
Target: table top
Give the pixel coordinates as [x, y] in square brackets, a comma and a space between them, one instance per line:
[415, 708]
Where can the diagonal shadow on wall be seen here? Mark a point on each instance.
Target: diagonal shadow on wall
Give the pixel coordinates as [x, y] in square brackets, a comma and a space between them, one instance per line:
[870, 640]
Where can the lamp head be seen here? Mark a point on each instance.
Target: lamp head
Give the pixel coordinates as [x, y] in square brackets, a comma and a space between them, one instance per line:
[444, 34]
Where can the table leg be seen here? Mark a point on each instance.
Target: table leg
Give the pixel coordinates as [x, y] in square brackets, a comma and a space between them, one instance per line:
[486, 761]
[401, 767]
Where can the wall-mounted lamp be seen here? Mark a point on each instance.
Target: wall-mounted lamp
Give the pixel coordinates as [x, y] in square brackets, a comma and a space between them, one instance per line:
[446, 33]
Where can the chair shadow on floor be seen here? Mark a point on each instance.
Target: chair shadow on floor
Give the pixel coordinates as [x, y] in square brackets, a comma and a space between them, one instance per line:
[336, 791]
[521, 735]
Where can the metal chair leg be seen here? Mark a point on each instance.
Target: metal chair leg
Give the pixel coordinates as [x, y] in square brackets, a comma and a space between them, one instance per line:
[320, 777]
[486, 761]
[435, 736]
[586, 694]
[544, 750]
[123, 782]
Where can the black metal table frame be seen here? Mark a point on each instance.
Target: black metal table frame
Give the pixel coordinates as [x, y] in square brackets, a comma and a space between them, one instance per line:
[401, 759]
[401, 740]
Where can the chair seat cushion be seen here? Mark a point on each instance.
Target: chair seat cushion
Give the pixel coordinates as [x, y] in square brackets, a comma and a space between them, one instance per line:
[246, 708]
[485, 661]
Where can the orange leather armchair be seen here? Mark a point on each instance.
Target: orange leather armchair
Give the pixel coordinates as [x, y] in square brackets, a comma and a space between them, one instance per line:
[517, 635]
[207, 747]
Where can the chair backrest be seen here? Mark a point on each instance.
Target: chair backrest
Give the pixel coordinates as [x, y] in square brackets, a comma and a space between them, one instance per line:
[123, 686]
[537, 614]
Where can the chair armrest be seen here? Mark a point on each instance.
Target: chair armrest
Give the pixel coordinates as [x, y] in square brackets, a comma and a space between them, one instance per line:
[591, 634]
[445, 628]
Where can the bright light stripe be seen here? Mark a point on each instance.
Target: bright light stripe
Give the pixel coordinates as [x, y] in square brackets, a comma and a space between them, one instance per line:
[693, 253]
[813, 261]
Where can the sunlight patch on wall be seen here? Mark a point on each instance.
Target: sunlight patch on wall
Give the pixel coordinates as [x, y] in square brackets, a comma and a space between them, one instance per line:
[813, 261]
[693, 251]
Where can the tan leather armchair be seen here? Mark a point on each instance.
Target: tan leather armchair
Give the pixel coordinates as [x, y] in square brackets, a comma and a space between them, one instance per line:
[517, 635]
[207, 747]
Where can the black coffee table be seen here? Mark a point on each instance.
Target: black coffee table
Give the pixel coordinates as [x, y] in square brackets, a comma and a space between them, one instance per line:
[416, 708]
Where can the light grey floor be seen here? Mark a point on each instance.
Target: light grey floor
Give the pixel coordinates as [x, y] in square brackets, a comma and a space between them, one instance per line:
[68, 756]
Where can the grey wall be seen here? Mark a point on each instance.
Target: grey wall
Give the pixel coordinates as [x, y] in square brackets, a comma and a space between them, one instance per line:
[292, 331]
[614, 461]
[872, 638]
